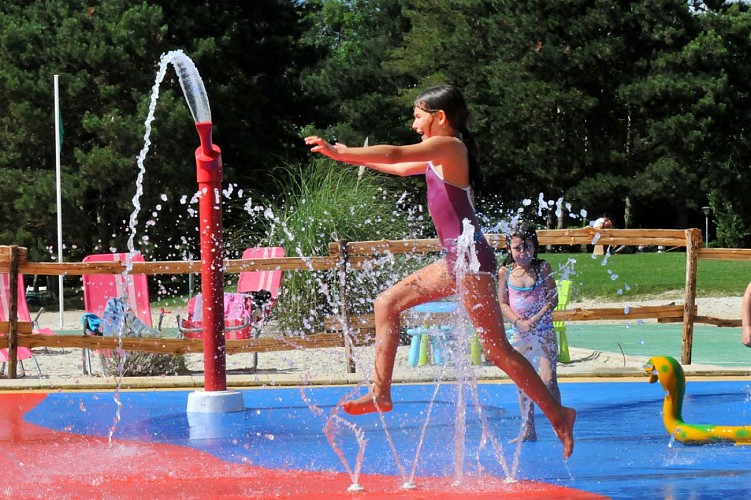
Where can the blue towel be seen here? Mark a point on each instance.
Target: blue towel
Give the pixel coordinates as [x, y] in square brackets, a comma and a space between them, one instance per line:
[91, 322]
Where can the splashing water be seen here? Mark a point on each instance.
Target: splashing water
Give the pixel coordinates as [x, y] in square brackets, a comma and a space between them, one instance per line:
[196, 97]
[566, 270]
[330, 430]
[423, 430]
[467, 263]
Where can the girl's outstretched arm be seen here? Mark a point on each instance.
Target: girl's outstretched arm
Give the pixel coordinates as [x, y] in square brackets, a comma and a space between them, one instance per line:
[396, 160]
[402, 169]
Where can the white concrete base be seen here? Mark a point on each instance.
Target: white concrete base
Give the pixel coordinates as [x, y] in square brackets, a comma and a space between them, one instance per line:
[213, 415]
[215, 402]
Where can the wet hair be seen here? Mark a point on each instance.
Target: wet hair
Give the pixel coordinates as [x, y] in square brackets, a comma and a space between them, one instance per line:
[451, 100]
[525, 231]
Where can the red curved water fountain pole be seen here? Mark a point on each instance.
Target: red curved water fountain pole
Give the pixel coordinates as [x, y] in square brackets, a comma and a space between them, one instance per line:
[209, 174]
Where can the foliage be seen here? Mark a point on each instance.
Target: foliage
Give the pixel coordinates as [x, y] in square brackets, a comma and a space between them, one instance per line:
[144, 364]
[731, 231]
[106, 57]
[603, 103]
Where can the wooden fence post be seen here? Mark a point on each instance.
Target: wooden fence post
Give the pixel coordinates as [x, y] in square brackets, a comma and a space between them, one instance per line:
[693, 244]
[13, 313]
[349, 343]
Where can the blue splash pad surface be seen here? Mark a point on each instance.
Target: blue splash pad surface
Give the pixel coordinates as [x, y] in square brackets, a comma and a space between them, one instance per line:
[622, 448]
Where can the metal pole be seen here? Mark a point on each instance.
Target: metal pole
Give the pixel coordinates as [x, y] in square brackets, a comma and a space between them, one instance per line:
[706, 230]
[58, 181]
[706, 210]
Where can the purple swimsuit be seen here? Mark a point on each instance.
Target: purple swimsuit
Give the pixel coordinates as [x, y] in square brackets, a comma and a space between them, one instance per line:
[525, 302]
[449, 205]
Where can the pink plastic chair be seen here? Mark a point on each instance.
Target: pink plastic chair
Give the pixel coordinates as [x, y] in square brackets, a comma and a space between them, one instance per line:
[262, 286]
[244, 311]
[238, 311]
[256, 282]
[23, 315]
[99, 288]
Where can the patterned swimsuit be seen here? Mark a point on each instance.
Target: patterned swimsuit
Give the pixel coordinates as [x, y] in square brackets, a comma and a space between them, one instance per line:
[525, 302]
[449, 205]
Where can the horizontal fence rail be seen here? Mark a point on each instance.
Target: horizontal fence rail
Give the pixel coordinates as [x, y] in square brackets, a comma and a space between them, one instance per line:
[161, 345]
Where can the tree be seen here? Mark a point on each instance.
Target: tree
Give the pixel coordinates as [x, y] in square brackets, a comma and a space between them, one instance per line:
[93, 49]
[107, 57]
[354, 93]
[728, 149]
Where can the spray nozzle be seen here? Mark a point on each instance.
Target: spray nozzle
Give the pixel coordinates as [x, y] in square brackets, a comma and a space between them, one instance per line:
[204, 133]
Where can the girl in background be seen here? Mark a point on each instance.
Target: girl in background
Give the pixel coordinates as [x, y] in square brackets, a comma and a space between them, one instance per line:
[528, 295]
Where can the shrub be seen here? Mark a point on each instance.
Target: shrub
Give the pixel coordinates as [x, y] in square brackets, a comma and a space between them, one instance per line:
[324, 202]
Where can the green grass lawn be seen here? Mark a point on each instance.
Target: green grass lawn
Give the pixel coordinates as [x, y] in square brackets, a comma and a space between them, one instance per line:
[645, 274]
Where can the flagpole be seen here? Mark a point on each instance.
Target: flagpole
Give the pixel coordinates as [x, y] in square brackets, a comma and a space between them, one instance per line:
[59, 202]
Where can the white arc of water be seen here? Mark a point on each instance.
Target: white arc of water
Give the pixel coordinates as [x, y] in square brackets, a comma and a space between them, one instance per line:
[198, 102]
[192, 85]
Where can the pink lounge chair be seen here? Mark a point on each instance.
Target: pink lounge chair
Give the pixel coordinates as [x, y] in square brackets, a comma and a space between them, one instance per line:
[244, 311]
[262, 286]
[23, 315]
[99, 288]
[238, 311]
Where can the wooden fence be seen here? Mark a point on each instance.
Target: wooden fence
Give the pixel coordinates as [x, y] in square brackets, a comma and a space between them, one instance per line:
[346, 257]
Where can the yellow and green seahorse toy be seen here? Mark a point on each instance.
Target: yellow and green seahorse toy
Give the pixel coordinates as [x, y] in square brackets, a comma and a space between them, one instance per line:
[670, 374]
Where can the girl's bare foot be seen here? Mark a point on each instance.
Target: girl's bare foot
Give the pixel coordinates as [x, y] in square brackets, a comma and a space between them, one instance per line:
[369, 403]
[565, 430]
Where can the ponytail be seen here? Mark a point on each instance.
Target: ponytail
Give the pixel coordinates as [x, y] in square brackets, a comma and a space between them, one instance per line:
[474, 165]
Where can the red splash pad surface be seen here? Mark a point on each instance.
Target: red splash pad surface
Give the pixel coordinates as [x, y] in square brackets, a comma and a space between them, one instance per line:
[42, 463]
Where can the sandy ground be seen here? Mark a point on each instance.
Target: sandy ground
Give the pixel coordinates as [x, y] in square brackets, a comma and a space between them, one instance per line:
[64, 369]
